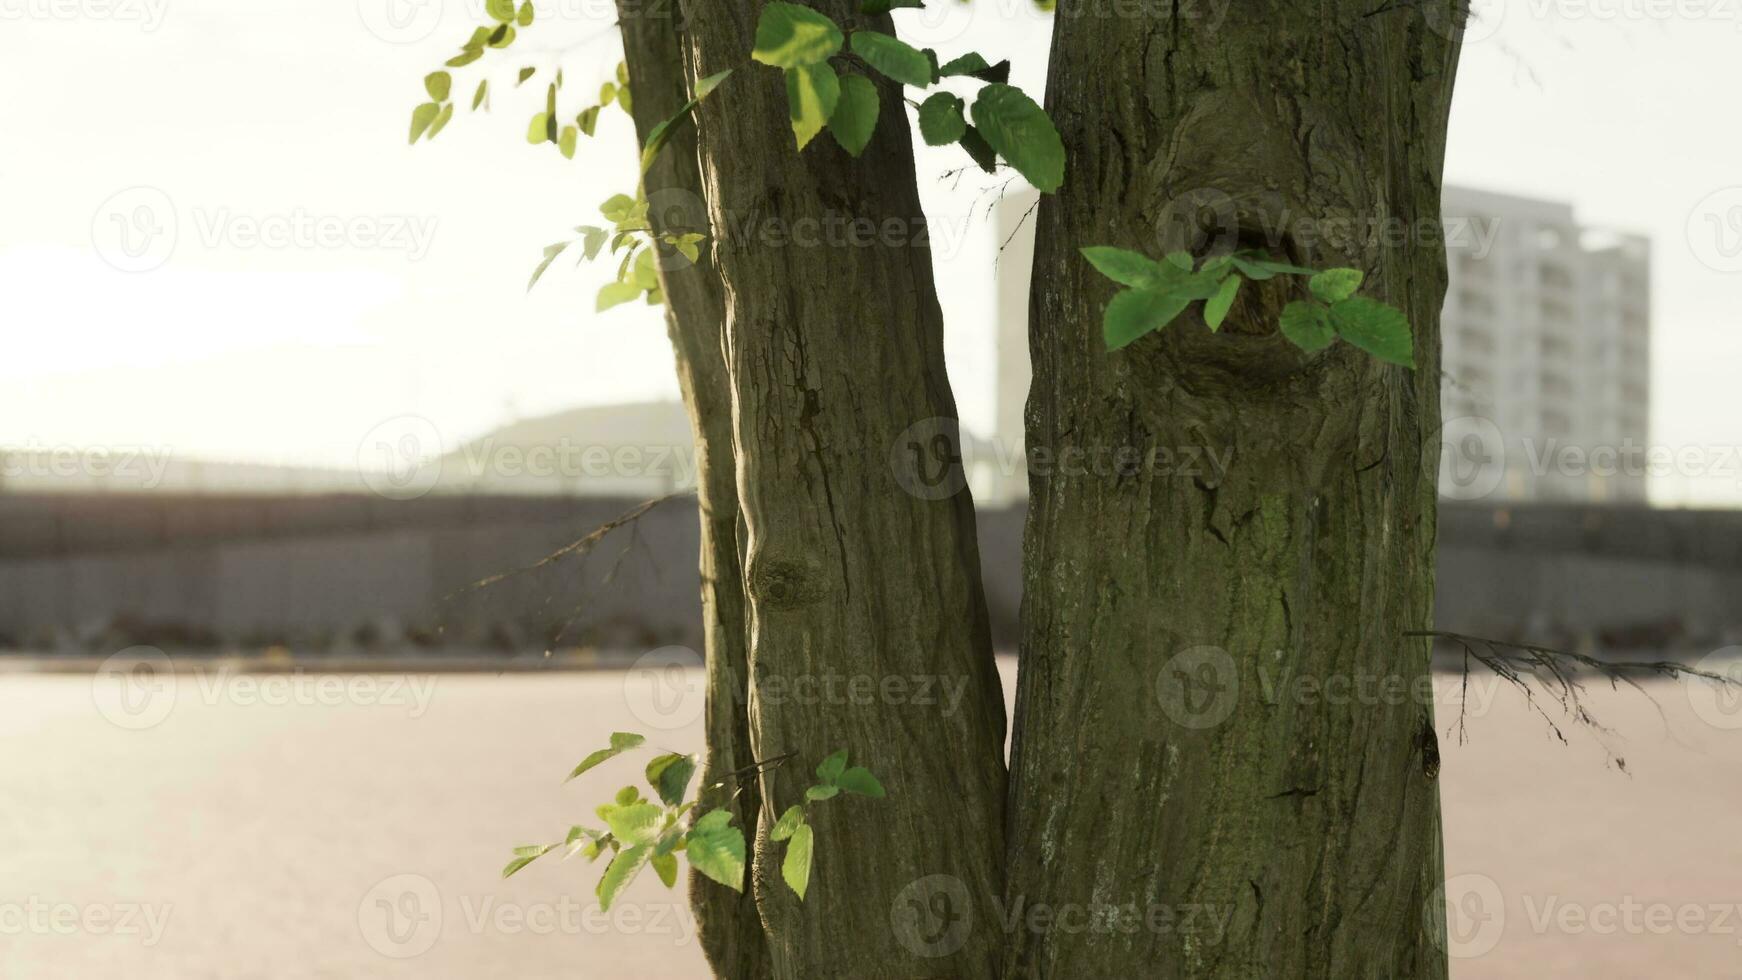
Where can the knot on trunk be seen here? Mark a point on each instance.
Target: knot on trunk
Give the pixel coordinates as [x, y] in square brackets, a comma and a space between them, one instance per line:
[786, 582]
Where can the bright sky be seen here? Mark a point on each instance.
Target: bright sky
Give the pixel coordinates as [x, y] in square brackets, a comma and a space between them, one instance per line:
[239, 131]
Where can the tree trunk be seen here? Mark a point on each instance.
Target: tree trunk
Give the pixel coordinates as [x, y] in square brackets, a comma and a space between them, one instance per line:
[868, 628]
[1173, 755]
[729, 929]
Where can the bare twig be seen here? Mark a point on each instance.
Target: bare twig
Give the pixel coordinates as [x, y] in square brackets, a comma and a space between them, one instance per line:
[1556, 672]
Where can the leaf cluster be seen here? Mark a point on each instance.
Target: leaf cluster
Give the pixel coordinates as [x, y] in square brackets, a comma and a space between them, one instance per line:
[821, 96]
[1158, 292]
[639, 832]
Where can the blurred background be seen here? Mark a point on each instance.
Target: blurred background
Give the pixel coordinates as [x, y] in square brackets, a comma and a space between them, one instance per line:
[278, 401]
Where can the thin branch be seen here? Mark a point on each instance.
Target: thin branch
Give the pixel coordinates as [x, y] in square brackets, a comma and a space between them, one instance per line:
[1556, 673]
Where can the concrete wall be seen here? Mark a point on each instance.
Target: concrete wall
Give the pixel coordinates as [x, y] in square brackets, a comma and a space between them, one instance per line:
[311, 571]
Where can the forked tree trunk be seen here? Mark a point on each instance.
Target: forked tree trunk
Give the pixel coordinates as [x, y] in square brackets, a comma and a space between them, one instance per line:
[729, 929]
[1165, 763]
[835, 353]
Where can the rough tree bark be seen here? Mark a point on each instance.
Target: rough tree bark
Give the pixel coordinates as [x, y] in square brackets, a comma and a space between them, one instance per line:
[1164, 757]
[834, 351]
[728, 927]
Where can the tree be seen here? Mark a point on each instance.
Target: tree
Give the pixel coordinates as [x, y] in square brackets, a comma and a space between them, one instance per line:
[1312, 821]
[809, 341]
[653, 47]
[835, 350]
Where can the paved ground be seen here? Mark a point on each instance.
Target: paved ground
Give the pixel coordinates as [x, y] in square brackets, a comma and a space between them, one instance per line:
[345, 827]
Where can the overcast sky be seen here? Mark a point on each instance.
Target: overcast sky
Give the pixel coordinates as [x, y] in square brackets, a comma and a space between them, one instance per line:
[222, 125]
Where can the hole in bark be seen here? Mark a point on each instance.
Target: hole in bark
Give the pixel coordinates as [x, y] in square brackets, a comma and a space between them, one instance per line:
[1259, 306]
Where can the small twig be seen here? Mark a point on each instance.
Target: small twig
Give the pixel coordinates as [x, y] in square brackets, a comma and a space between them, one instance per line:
[1555, 671]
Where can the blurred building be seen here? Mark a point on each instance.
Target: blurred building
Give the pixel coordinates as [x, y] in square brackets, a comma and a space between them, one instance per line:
[1547, 352]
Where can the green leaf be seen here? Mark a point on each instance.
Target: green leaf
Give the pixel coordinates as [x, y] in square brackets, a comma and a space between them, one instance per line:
[1278, 268]
[666, 866]
[593, 239]
[524, 856]
[483, 91]
[875, 7]
[525, 73]
[670, 774]
[502, 36]
[716, 849]
[421, 117]
[789, 821]
[438, 84]
[830, 769]
[622, 870]
[826, 791]
[893, 57]
[656, 139]
[979, 150]
[812, 92]
[855, 117]
[566, 142]
[941, 121]
[789, 35]
[1181, 260]
[524, 19]
[859, 780]
[616, 294]
[1216, 307]
[1308, 326]
[645, 274]
[550, 254]
[617, 208]
[973, 65]
[1377, 328]
[441, 120]
[1122, 265]
[708, 84]
[1135, 312]
[1253, 270]
[538, 131]
[796, 869]
[1335, 285]
[637, 823]
[588, 120]
[502, 10]
[1021, 133]
[621, 742]
[464, 58]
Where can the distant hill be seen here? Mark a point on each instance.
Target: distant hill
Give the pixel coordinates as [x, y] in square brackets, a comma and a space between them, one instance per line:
[638, 448]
